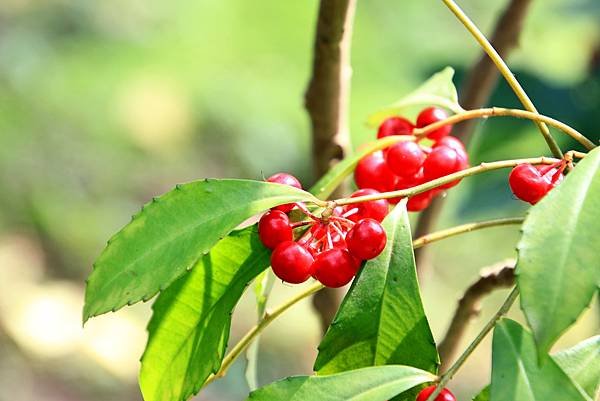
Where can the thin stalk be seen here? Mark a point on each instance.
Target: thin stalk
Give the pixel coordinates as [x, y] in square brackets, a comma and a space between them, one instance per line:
[505, 71]
[446, 377]
[483, 167]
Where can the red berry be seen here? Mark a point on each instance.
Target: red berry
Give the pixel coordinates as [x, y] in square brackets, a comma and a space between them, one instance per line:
[285, 179]
[274, 228]
[442, 161]
[528, 183]
[366, 239]
[373, 172]
[335, 267]
[432, 115]
[405, 158]
[376, 209]
[291, 262]
[419, 202]
[395, 126]
[454, 143]
[445, 394]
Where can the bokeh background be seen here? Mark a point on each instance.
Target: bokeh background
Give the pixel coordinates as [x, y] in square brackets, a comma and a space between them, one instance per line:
[104, 104]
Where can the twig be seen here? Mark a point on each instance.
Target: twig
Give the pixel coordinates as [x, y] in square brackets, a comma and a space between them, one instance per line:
[500, 275]
[327, 103]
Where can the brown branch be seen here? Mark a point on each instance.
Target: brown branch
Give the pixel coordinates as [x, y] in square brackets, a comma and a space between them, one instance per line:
[500, 275]
[327, 101]
[478, 87]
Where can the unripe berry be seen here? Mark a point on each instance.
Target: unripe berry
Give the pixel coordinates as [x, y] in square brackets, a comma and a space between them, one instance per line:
[335, 267]
[432, 115]
[373, 172]
[445, 394]
[405, 158]
[528, 184]
[366, 239]
[274, 228]
[285, 179]
[376, 209]
[395, 126]
[291, 262]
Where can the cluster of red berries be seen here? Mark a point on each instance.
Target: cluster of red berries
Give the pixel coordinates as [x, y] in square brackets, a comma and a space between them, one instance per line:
[445, 394]
[331, 249]
[531, 183]
[407, 164]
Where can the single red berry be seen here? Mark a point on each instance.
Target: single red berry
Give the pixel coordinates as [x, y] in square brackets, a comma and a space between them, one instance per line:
[274, 228]
[335, 267]
[376, 209]
[445, 394]
[432, 115]
[373, 172]
[454, 143]
[366, 239]
[528, 183]
[419, 202]
[395, 126]
[442, 161]
[285, 179]
[291, 262]
[405, 158]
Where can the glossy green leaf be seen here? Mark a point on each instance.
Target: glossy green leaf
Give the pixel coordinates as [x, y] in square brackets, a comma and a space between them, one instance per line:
[558, 268]
[171, 234]
[516, 374]
[439, 90]
[369, 384]
[484, 395]
[189, 328]
[582, 364]
[381, 320]
[336, 175]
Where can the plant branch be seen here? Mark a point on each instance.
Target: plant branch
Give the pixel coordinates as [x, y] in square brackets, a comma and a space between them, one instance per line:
[505, 71]
[500, 275]
[482, 168]
[446, 377]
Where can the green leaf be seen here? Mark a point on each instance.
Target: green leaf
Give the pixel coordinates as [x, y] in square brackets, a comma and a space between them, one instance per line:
[484, 395]
[369, 384]
[582, 364]
[439, 90]
[189, 328]
[516, 374]
[334, 177]
[381, 320]
[558, 269]
[171, 234]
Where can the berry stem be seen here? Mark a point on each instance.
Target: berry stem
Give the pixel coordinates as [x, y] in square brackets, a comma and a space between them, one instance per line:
[505, 71]
[447, 376]
[482, 168]
[502, 112]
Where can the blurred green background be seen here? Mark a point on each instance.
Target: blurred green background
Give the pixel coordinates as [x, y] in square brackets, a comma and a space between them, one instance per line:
[104, 104]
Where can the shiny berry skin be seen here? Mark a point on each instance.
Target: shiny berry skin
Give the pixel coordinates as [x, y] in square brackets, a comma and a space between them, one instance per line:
[291, 262]
[376, 209]
[285, 179]
[528, 183]
[445, 394]
[335, 267]
[454, 143]
[274, 228]
[443, 161]
[395, 126]
[419, 202]
[432, 115]
[405, 158]
[372, 172]
[366, 239]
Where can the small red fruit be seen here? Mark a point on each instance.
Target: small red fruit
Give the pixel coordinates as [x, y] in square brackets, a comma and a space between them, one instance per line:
[366, 239]
[335, 267]
[445, 394]
[442, 161]
[274, 228]
[432, 115]
[376, 209]
[528, 183]
[291, 262]
[454, 143]
[285, 179]
[419, 202]
[405, 158]
[395, 126]
[373, 172]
